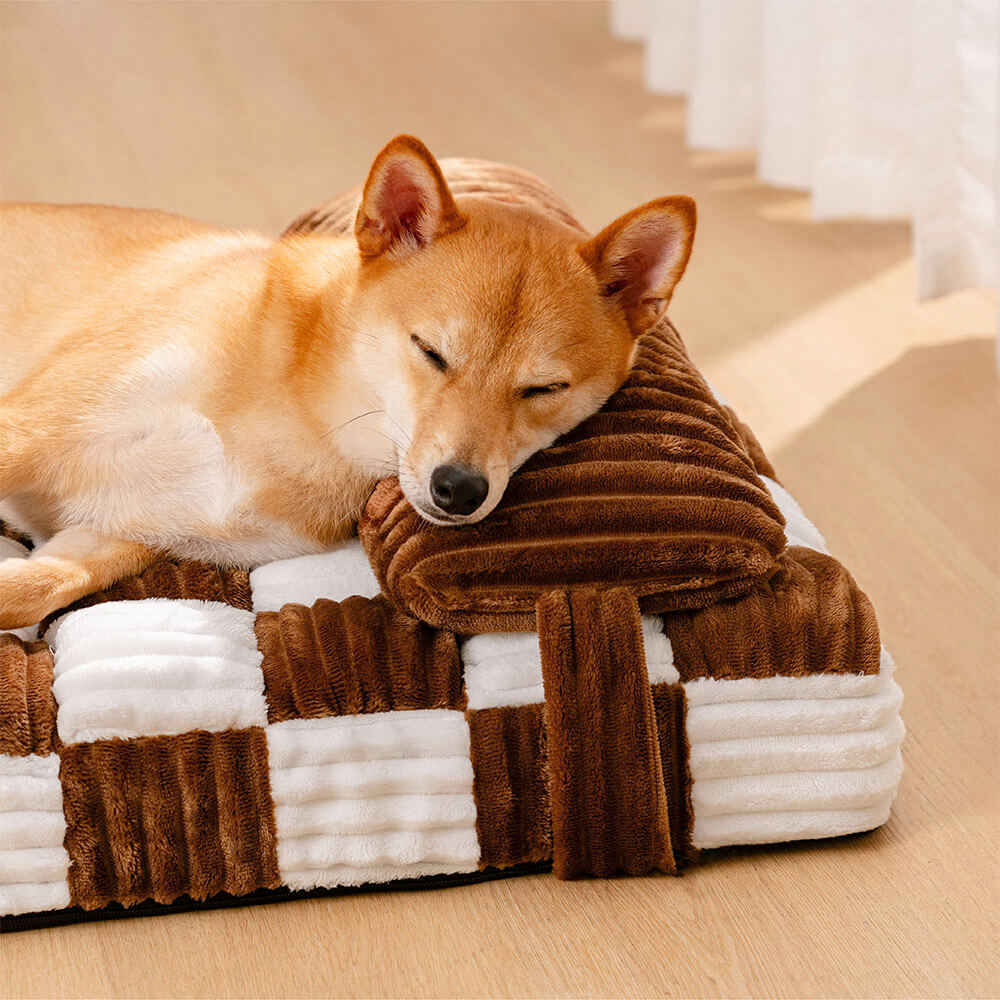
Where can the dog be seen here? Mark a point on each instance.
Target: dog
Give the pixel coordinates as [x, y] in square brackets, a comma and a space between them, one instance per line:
[170, 387]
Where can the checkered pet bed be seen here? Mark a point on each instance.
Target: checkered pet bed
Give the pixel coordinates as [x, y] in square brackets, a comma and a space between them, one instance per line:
[646, 651]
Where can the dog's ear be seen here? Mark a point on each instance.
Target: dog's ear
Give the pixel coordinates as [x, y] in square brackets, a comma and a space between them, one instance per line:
[406, 203]
[640, 257]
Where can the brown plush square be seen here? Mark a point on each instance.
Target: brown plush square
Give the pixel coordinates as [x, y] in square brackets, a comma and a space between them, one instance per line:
[809, 618]
[163, 816]
[177, 579]
[513, 817]
[655, 493]
[27, 706]
[354, 656]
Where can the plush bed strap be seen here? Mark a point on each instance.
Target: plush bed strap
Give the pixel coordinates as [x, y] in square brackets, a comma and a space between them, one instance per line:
[608, 800]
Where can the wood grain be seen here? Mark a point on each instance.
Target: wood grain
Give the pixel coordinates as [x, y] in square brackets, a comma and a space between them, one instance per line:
[879, 413]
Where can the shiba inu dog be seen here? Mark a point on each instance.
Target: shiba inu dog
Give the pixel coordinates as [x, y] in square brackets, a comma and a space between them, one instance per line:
[166, 386]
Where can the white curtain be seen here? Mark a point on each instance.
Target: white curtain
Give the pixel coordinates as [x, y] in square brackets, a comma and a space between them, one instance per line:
[879, 108]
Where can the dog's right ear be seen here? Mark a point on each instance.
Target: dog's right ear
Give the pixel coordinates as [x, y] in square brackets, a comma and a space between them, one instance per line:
[640, 257]
[406, 202]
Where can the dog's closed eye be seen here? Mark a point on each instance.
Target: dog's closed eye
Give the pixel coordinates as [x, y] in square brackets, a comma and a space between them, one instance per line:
[432, 356]
[543, 390]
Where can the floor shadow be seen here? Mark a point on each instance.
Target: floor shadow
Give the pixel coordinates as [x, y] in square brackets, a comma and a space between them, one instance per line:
[929, 422]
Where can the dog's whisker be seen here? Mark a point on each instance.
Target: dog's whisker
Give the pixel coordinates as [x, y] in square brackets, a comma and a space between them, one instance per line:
[409, 440]
[340, 427]
[399, 447]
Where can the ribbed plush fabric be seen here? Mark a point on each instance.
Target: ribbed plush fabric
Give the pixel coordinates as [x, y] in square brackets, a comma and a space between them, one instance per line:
[375, 797]
[606, 791]
[670, 709]
[342, 572]
[810, 617]
[799, 530]
[509, 757]
[609, 741]
[34, 864]
[27, 705]
[467, 178]
[177, 579]
[782, 757]
[513, 777]
[750, 443]
[156, 667]
[355, 656]
[505, 668]
[158, 817]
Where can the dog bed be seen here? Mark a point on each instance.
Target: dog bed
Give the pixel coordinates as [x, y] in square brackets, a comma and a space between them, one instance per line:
[645, 652]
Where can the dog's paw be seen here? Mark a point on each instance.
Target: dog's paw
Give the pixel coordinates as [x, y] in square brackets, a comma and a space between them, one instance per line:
[29, 590]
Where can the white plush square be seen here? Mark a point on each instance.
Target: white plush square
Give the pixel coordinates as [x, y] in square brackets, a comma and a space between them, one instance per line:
[372, 798]
[334, 575]
[505, 668]
[502, 668]
[33, 862]
[790, 758]
[154, 668]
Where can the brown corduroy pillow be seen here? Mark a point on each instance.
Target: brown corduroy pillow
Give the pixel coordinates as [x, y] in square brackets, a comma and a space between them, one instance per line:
[656, 492]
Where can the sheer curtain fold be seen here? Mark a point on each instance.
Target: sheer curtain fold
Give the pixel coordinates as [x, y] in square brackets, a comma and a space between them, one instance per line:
[879, 108]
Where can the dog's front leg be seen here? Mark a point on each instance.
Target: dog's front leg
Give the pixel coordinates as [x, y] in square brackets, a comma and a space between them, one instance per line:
[74, 562]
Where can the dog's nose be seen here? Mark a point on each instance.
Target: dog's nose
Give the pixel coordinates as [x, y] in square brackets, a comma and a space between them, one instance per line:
[458, 489]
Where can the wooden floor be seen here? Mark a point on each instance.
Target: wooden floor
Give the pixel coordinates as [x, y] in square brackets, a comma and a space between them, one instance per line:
[880, 415]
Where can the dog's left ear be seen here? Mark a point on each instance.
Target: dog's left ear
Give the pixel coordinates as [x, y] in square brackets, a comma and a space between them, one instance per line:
[406, 202]
[640, 257]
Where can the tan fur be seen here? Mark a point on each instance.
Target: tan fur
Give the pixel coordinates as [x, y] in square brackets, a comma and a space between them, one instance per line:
[169, 386]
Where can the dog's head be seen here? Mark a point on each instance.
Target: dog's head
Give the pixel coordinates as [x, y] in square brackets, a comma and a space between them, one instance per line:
[491, 328]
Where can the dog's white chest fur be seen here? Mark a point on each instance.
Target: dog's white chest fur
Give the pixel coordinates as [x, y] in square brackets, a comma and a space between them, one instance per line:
[159, 470]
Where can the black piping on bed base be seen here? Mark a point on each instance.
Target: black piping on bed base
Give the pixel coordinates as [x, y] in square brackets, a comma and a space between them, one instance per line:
[184, 904]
